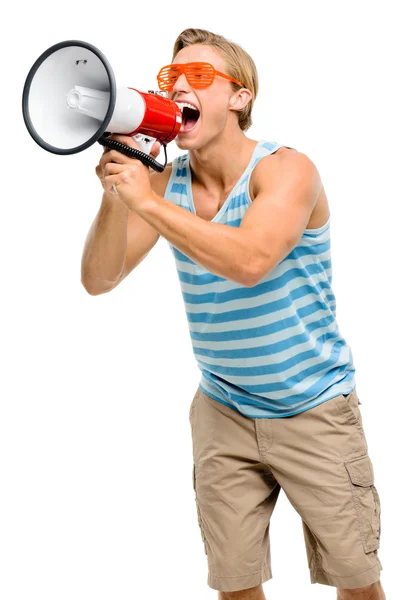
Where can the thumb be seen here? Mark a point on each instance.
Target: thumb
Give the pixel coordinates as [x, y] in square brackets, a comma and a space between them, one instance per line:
[155, 149]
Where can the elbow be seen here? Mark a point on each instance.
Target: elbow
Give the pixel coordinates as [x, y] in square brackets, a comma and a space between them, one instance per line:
[258, 269]
[90, 290]
[251, 281]
[95, 290]
[253, 274]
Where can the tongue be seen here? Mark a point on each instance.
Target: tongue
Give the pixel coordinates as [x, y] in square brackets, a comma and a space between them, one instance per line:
[189, 124]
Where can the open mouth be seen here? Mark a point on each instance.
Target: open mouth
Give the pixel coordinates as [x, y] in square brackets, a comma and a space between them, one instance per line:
[190, 116]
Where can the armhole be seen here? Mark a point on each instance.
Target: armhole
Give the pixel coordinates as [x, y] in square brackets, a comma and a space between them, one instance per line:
[171, 178]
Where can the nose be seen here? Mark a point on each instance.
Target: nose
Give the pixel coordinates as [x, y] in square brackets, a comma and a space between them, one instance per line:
[181, 84]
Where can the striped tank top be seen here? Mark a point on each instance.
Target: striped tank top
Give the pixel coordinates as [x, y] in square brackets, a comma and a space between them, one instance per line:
[274, 349]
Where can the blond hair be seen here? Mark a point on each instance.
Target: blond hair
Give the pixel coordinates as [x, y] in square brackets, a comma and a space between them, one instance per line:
[239, 64]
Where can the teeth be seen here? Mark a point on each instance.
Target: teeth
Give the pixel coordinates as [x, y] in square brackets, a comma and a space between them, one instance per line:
[181, 105]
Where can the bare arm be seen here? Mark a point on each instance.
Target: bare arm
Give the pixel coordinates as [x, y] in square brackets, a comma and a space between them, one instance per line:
[118, 240]
[141, 237]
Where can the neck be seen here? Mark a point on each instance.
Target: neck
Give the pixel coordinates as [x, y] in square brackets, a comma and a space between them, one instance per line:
[219, 164]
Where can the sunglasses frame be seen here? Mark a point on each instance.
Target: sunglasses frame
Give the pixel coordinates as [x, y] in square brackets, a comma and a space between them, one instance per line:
[184, 67]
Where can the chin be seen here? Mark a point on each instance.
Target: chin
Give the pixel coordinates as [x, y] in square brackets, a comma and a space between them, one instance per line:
[193, 142]
[187, 144]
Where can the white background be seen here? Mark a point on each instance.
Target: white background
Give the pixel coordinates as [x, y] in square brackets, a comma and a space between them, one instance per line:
[96, 459]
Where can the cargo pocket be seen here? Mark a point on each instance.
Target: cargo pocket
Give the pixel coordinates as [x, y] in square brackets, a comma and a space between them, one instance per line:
[366, 499]
[198, 509]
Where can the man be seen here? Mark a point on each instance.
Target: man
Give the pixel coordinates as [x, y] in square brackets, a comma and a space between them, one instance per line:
[248, 223]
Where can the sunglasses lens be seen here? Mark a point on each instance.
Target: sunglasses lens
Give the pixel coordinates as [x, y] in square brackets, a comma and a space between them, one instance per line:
[167, 77]
[200, 75]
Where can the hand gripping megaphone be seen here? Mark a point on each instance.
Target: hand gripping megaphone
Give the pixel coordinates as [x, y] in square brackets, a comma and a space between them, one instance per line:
[70, 100]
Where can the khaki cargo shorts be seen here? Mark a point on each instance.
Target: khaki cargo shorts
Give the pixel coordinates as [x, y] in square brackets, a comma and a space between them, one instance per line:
[320, 459]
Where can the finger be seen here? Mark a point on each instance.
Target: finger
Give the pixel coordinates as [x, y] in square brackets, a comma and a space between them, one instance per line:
[115, 157]
[155, 149]
[110, 181]
[99, 171]
[112, 169]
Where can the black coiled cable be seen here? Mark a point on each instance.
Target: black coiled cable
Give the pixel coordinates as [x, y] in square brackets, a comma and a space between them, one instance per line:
[147, 160]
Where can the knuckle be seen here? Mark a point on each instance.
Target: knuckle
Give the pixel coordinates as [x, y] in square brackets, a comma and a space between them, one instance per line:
[107, 157]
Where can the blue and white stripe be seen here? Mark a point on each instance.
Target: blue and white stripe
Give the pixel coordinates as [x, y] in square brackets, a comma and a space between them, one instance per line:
[275, 349]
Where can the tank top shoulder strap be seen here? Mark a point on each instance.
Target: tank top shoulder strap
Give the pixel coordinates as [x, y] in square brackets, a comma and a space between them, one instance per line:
[262, 149]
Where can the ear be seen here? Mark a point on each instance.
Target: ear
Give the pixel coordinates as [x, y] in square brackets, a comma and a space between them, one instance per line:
[240, 99]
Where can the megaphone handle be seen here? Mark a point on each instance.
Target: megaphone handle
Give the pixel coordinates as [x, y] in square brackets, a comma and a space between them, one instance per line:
[144, 142]
[147, 160]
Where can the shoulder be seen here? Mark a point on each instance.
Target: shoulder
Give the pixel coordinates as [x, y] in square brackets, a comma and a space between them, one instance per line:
[285, 165]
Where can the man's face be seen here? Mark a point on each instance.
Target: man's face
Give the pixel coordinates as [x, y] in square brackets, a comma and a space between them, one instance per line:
[212, 103]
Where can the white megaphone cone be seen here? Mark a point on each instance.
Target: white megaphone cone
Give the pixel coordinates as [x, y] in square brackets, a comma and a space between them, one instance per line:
[70, 100]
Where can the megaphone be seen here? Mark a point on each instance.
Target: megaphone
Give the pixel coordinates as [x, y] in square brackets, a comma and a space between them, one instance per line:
[70, 100]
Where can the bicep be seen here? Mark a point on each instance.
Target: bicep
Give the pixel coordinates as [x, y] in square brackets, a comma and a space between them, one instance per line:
[275, 221]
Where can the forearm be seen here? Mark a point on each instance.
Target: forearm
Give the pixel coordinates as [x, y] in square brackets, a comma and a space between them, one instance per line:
[221, 249]
[106, 245]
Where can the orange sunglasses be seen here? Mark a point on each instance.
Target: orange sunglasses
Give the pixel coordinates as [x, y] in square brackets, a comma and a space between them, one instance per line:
[198, 74]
